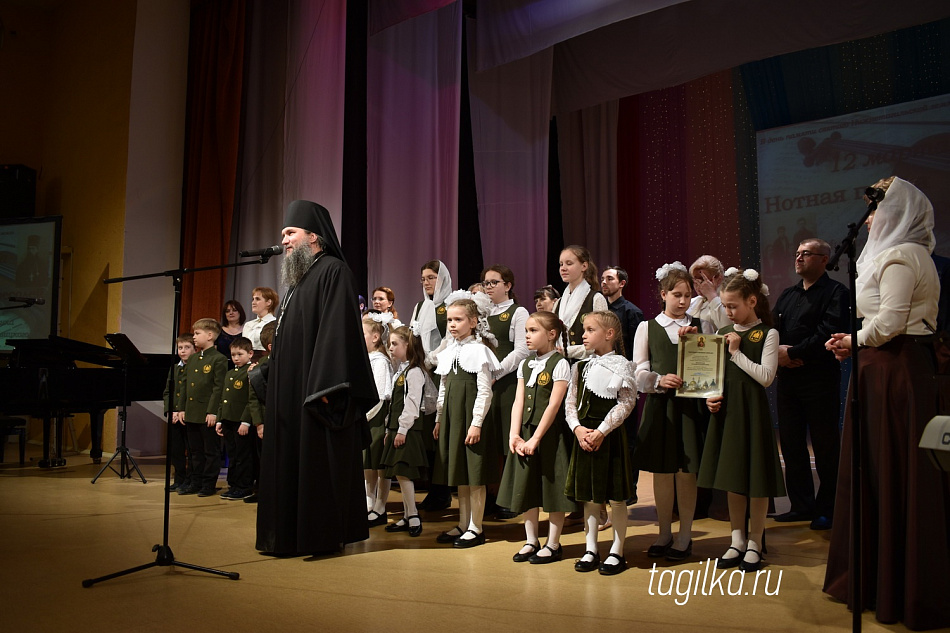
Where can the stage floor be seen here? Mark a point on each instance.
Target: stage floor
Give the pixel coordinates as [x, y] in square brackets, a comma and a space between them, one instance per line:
[58, 529]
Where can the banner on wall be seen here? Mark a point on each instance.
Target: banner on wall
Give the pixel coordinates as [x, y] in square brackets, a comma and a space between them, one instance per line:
[812, 177]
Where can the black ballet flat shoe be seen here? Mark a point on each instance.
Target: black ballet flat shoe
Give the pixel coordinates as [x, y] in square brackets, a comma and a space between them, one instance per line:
[747, 567]
[430, 504]
[414, 530]
[522, 558]
[447, 537]
[402, 525]
[556, 555]
[465, 543]
[611, 569]
[659, 551]
[680, 554]
[729, 563]
[379, 519]
[581, 565]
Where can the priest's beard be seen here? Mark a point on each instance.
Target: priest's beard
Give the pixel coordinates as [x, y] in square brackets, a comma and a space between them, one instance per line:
[295, 266]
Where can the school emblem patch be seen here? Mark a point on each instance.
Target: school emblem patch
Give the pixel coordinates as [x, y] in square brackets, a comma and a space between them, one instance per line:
[238, 384]
[400, 381]
[441, 310]
[206, 369]
[544, 378]
[504, 316]
[756, 335]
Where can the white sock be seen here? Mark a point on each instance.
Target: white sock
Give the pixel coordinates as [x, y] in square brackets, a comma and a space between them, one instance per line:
[369, 478]
[382, 494]
[465, 507]
[408, 496]
[750, 555]
[555, 528]
[531, 520]
[738, 542]
[591, 521]
[478, 495]
[618, 516]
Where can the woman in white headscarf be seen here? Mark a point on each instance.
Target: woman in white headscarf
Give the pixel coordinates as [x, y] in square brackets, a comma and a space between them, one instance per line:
[428, 322]
[905, 500]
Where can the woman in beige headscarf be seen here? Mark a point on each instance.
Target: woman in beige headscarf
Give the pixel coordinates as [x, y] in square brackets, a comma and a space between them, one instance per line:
[905, 500]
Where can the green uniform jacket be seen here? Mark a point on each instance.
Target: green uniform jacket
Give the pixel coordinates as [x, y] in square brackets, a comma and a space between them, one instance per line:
[234, 397]
[201, 392]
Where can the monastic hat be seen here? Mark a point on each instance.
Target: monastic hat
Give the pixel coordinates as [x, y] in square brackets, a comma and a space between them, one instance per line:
[313, 217]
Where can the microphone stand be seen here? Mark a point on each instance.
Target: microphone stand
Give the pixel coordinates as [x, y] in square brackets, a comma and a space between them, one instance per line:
[847, 246]
[164, 556]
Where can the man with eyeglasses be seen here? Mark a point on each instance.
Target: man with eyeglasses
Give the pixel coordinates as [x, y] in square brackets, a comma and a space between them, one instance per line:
[809, 379]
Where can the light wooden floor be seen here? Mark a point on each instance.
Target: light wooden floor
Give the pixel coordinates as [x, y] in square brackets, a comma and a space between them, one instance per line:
[57, 529]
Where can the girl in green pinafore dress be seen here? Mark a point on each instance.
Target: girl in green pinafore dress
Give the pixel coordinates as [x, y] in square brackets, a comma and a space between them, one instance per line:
[465, 459]
[740, 455]
[670, 440]
[536, 468]
[601, 395]
[404, 454]
[377, 485]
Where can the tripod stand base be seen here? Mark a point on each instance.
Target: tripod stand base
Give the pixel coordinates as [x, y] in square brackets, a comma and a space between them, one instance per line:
[124, 472]
[164, 558]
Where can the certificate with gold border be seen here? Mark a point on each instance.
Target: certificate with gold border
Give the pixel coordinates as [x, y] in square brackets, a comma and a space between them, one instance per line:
[701, 363]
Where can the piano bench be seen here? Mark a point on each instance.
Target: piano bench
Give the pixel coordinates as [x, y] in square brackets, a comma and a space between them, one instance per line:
[13, 426]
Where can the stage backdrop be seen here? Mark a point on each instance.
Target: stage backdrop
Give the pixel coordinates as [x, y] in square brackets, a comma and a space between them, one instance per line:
[812, 176]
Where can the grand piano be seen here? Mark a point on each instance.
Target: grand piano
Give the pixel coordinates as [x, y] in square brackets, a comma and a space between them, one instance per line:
[42, 379]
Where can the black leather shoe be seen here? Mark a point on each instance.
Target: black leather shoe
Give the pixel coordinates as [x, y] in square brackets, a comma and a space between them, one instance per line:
[792, 517]
[659, 551]
[187, 489]
[448, 537]
[523, 558]
[503, 514]
[465, 543]
[581, 565]
[821, 523]
[379, 519]
[414, 530]
[680, 554]
[746, 566]
[207, 492]
[556, 555]
[398, 526]
[729, 563]
[610, 569]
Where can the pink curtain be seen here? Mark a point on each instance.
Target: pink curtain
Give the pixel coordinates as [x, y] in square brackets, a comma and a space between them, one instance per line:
[386, 13]
[293, 138]
[414, 71]
[587, 150]
[511, 108]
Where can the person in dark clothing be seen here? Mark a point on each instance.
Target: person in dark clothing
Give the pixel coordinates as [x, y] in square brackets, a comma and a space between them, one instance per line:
[809, 379]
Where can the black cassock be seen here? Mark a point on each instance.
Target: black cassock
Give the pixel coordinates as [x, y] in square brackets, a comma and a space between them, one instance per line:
[311, 497]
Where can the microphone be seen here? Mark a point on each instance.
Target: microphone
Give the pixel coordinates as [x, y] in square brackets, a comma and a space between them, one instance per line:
[28, 300]
[874, 194]
[270, 251]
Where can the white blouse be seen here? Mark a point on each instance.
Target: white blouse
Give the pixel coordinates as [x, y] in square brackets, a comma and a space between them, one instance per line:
[710, 313]
[515, 334]
[901, 292]
[475, 358]
[763, 373]
[646, 379]
[252, 330]
[415, 383]
[618, 378]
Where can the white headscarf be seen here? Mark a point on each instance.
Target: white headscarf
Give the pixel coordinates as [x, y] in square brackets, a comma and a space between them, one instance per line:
[904, 216]
[428, 329]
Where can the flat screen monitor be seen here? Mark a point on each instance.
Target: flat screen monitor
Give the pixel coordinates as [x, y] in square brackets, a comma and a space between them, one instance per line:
[29, 278]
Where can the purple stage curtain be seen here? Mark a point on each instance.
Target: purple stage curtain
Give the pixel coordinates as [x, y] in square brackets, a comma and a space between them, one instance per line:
[215, 74]
[510, 117]
[513, 29]
[293, 125]
[386, 13]
[677, 195]
[587, 154]
[413, 89]
[690, 40]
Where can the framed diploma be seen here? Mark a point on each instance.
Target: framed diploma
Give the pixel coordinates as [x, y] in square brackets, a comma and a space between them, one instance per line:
[701, 363]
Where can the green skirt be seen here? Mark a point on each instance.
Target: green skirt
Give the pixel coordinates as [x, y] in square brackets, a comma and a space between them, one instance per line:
[373, 454]
[498, 419]
[603, 475]
[671, 435]
[408, 460]
[537, 481]
[458, 464]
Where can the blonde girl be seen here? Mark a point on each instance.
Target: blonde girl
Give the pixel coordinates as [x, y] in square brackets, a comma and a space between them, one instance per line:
[377, 486]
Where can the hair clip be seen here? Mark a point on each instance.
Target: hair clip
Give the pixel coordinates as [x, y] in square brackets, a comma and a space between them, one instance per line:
[665, 269]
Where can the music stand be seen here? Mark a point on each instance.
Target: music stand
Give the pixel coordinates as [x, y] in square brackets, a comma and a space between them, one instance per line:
[164, 556]
[130, 355]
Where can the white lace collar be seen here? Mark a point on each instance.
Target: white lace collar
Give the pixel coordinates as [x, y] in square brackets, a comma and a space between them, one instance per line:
[468, 354]
[606, 375]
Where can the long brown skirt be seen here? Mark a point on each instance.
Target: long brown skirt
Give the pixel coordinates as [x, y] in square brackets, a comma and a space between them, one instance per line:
[905, 524]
